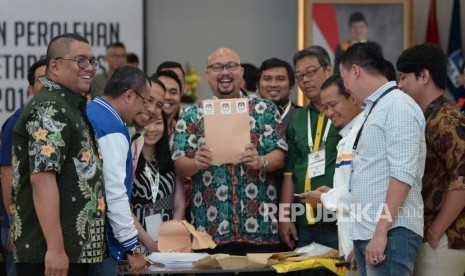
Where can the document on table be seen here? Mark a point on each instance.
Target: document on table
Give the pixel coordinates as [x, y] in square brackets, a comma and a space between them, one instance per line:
[227, 128]
[176, 259]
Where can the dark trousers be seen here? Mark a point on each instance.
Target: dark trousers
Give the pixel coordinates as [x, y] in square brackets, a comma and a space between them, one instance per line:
[27, 269]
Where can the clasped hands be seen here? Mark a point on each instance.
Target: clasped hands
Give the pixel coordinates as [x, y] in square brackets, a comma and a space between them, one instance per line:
[203, 157]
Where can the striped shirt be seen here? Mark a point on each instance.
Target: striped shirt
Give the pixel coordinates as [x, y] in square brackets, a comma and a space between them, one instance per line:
[392, 144]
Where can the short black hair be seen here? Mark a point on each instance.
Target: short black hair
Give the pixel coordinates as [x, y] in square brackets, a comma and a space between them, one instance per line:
[157, 81]
[61, 43]
[32, 70]
[317, 51]
[356, 17]
[115, 45]
[251, 76]
[426, 56]
[168, 74]
[274, 63]
[367, 55]
[390, 71]
[170, 64]
[132, 58]
[125, 78]
[336, 80]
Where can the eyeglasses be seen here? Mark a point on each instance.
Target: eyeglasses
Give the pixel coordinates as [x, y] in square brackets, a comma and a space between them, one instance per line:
[146, 102]
[82, 62]
[218, 67]
[308, 73]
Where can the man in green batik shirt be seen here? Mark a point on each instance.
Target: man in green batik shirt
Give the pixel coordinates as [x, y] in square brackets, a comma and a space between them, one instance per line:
[312, 153]
[58, 205]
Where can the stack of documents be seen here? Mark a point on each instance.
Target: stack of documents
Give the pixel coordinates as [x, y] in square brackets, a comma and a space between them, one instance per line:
[175, 260]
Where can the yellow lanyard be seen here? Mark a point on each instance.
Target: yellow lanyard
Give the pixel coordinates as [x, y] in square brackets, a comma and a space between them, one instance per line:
[308, 183]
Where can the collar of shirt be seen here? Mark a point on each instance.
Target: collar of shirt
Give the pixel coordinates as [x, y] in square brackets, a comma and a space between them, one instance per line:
[345, 130]
[72, 98]
[311, 106]
[282, 108]
[374, 97]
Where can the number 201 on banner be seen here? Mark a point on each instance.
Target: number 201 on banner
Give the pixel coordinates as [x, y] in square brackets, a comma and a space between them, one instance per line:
[12, 98]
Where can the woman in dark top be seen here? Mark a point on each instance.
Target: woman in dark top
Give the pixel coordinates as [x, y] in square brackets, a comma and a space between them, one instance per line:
[156, 191]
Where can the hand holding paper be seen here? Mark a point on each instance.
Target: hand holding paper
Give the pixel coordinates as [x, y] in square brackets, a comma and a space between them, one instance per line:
[203, 158]
[250, 157]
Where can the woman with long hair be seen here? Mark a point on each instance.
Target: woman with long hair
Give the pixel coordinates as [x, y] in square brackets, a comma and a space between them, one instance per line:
[156, 189]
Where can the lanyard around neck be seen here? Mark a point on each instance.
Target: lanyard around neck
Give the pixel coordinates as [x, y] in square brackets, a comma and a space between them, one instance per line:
[319, 128]
[286, 110]
[366, 118]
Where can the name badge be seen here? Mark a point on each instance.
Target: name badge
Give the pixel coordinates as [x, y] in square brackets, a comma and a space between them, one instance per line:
[153, 223]
[316, 163]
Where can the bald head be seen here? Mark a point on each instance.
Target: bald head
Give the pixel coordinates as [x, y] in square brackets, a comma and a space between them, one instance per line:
[224, 73]
[223, 51]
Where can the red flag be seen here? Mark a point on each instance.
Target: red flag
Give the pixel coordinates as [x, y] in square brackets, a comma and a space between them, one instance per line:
[432, 31]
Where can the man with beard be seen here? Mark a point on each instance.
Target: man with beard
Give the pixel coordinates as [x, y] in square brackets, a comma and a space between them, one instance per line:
[227, 198]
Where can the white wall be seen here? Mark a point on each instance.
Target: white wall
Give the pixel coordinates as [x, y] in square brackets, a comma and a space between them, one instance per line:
[188, 31]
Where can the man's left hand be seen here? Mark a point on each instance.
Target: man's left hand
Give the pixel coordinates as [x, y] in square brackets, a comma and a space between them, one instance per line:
[250, 157]
[374, 253]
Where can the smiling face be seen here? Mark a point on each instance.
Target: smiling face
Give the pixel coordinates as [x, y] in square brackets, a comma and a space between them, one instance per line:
[338, 108]
[67, 72]
[172, 101]
[274, 85]
[155, 99]
[154, 131]
[225, 83]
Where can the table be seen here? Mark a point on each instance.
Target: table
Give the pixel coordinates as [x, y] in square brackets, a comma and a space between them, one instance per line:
[154, 270]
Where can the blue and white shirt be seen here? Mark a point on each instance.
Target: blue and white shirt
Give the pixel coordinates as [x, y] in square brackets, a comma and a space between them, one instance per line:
[392, 144]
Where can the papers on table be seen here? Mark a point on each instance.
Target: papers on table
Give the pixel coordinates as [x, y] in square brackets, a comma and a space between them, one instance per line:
[317, 250]
[176, 260]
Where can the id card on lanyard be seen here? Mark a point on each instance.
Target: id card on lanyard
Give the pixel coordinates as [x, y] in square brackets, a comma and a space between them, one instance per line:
[316, 157]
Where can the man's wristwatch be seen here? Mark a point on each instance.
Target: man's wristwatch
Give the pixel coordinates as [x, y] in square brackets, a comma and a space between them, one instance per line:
[136, 250]
[263, 161]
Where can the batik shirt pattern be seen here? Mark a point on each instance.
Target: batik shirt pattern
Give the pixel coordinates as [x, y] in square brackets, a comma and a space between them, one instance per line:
[229, 200]
[53, 135]
[445, 166]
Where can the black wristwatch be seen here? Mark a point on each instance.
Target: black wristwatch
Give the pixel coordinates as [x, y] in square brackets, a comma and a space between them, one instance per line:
[136, 250]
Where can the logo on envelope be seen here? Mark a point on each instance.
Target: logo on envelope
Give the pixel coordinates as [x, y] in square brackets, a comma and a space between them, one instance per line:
[226, 108]
[241, 107]
[208, 108]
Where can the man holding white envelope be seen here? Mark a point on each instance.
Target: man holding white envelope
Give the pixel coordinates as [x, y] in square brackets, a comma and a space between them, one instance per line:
[231, 179]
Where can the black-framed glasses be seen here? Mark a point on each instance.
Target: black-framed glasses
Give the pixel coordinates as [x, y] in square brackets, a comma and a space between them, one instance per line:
[308, 73]
[146, 102]
[82, 62]
[218, 67]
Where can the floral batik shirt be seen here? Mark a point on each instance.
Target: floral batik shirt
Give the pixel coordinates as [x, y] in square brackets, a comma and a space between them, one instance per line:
[445, 165]
[53, 135]
[229, 201]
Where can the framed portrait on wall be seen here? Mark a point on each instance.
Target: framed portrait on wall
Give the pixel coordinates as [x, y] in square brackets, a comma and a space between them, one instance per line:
[327, 23]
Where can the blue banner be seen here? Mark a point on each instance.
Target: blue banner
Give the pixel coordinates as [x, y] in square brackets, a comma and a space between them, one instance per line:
[455, 54]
